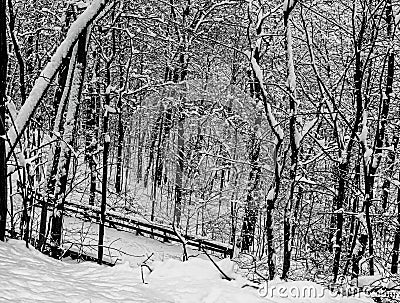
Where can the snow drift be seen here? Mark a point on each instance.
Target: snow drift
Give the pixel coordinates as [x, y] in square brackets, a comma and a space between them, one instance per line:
[29, 276]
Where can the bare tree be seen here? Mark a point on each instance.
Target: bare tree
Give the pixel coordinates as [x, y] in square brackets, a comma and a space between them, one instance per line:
[3, 98]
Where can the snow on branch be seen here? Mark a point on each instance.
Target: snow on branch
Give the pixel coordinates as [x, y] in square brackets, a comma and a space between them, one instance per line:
[270, 114]
[42, 83]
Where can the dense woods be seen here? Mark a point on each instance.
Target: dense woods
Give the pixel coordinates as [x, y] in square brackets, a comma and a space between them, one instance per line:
[272, 126]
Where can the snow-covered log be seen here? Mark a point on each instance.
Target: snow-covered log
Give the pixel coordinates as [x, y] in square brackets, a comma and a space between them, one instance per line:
[42, 83]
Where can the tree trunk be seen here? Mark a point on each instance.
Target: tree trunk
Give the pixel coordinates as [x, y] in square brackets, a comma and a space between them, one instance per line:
[140, 141]
[3, 85]
[106, 147]
[120, 144]
[92, 131]
[59, 104]
[386, 102]
[396, 242]
[345, 153]
[252, 198]
[17, 50]
[390, 163]
[294, 148]
[166, 129]
[153, 140]
[251, 210]
[354, 225]
[343, 169]
[278, 160]
[179, 173]
[68, 138]
[180, 74]
[379, 137]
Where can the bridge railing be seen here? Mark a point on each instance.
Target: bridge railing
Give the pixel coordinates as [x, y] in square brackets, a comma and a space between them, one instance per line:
[144, 227]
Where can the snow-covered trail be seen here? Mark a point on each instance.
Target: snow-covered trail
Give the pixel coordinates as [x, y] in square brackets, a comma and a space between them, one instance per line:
[29, 276]
[26, 275]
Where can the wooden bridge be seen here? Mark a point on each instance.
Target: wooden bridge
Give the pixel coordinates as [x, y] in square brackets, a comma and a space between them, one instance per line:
[144, 227]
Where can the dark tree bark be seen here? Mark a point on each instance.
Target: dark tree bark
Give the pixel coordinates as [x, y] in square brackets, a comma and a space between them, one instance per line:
[388, 93]
[339, 199]
[68, 138]
[141, 135]
[354, 225]
[288, 218]
[180, 75]
[17, 50]
[106, 148]
[62, 91]
[179, 172]
[251, 209]
[120, 144]
[140, 141]
[3, 85]
[153, 141]
[396, 243]
[390, 164]
[91, 117]
[346, 151]
[164, 135]
[379, 138]
[385, 106]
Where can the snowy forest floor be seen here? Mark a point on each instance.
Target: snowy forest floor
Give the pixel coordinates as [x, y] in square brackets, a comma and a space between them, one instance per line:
[29, 276]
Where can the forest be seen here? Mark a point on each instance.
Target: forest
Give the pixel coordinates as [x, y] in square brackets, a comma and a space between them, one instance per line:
[268, 127]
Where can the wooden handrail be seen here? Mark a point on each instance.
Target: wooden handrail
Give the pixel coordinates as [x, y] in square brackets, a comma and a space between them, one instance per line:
[145, 227]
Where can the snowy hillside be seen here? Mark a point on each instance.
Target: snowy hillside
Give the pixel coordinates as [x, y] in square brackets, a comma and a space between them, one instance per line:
[29, 276]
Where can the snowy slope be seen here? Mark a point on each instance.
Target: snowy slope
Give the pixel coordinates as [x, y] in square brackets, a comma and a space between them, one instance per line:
[29, 276]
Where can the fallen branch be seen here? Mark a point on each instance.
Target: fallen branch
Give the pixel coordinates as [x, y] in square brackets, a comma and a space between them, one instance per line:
[141, 270]
[225, 276]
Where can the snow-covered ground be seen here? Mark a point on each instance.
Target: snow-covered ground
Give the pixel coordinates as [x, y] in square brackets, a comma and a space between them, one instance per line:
[29, 276]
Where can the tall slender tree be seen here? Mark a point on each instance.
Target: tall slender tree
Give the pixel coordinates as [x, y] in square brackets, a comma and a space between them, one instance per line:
[67, 142]
[3, 98]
